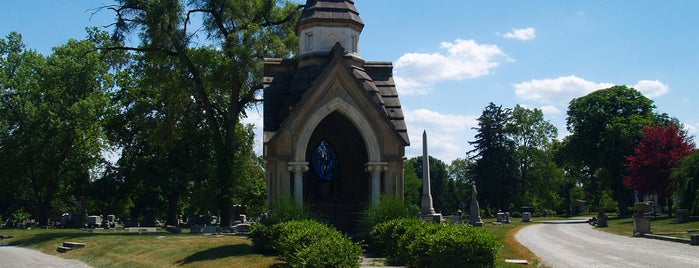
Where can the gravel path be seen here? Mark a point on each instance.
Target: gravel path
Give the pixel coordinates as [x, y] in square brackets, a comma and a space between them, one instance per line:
[11, 257]
[577, 244]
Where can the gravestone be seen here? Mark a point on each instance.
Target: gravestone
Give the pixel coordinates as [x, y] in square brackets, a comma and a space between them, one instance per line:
[601, 218]
[526, 217]
[501, 217]
[507, 217]
[682, 215]
[474, 216]
[211, 229]
[641, 219]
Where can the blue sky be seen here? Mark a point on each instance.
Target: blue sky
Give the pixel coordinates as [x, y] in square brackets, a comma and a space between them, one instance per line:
[451, 58]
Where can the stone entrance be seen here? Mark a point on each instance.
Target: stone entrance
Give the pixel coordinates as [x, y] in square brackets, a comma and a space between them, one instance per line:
[334, 132]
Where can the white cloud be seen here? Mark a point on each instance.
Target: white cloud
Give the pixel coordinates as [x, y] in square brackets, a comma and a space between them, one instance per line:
[550, 109]
[652, 89]
[521, 34]
[416, 73]
[558, 91]
[447, 134]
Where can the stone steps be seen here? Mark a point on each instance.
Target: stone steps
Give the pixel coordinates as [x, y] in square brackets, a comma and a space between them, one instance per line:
[68, 246]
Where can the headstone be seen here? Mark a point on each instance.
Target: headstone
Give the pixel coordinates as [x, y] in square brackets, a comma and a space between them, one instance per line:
[242, 228]
[682, 215]
[694, 240]
[507, 217]
[243, 218]
[500, 217]
[641, 224]
[211, 229]
[601, 218]
[474, 216]
[526, 217]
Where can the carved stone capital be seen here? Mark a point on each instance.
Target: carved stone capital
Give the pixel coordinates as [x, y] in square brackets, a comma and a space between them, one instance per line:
[376, 167]
[298, 167]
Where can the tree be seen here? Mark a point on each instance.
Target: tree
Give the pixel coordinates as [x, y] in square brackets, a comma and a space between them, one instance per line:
[685, 180]
[657, 153]
[52, 133]
[224, 70]
[538, 174]
[605, 126]
[496, 168]
[413, 184]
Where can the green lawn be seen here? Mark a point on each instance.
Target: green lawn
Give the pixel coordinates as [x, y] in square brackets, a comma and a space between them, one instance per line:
[107, 248]
[659, 225]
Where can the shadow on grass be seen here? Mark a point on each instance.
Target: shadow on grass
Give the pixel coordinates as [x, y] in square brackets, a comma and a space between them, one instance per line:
[218, 253]
[49, 236]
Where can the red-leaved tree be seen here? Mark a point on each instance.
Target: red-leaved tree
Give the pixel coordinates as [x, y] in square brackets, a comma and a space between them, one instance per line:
[657, 153]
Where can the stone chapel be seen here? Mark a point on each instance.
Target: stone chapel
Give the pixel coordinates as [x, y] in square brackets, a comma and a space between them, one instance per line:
[334, 131]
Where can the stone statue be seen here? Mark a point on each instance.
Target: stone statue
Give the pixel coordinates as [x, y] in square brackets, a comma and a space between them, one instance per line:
[474, 215]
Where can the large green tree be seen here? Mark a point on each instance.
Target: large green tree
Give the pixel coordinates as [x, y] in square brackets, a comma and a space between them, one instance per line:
[685, 179]
[539, 176]
[52, 133]
[496, 169]
[605, 126]
[222, 57]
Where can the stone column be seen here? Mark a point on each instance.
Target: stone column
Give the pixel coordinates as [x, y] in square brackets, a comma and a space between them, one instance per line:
[298, 168]
[376, 168]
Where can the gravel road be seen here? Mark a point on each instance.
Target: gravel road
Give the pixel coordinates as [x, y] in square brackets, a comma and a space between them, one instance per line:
[578, 244]
[11, 257]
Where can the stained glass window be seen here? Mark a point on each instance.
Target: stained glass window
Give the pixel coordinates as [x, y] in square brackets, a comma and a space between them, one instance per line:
[324, 161]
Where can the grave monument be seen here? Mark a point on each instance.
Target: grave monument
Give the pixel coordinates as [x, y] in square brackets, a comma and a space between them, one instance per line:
[426, 209]
[474, 215]
[334, 130]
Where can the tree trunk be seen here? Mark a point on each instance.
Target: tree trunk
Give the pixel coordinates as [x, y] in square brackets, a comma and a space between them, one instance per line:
[172, 210]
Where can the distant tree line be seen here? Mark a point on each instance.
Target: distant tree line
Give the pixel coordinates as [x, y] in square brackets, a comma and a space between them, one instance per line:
[619, 151]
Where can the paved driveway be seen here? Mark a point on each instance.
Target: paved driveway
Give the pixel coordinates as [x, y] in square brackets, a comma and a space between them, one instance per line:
[578, 244]
[11, 257]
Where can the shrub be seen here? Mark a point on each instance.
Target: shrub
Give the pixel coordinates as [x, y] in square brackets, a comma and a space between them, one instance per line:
[307, 243]
[388, 208]
[417, 243]
[463, 246]
[330, 251]
[287, 208]
[384, 236]
[262, 236]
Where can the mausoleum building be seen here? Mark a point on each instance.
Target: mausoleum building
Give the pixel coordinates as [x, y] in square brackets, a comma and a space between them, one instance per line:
[334, 131]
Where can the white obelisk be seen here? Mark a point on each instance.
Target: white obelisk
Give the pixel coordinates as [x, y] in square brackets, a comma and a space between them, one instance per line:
[426, 204]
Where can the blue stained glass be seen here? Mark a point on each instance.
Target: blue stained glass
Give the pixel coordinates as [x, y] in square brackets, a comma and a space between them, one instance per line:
[324, 161]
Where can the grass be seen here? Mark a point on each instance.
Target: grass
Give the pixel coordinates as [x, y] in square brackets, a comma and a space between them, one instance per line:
[511, 248]
[660, 225]
[107, 248]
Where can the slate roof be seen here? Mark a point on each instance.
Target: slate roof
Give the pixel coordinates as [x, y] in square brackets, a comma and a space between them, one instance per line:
[330, 13]
[285, 84]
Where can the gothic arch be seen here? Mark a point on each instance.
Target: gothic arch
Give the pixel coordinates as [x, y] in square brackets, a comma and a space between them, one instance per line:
[349, 111]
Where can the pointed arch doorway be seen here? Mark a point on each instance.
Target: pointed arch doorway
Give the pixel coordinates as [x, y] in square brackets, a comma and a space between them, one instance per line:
[337, 185]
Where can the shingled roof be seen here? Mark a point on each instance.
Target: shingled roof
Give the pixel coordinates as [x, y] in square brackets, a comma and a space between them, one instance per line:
[285, 85]
[330, 13]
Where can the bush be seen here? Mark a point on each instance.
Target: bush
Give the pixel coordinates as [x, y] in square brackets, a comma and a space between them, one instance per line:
[287, 208]
[384, 236]
[388, 208]
[306, 243]
[262, 236]
[417, 243]
[463, 246]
